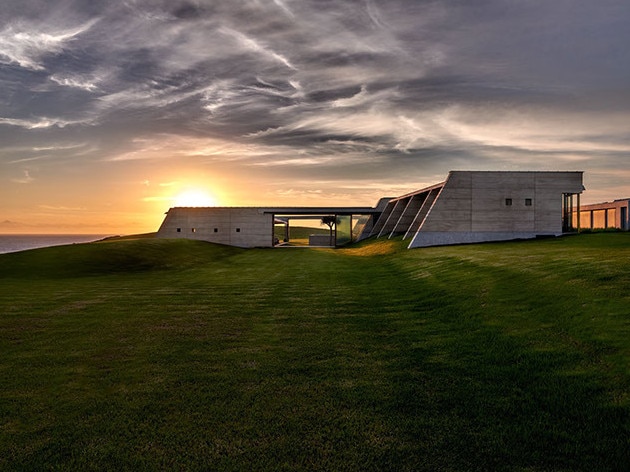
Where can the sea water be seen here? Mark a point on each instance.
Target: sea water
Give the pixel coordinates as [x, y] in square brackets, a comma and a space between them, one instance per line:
[22, 242]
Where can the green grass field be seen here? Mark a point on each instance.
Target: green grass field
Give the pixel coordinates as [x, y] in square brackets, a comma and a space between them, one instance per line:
[156, 354]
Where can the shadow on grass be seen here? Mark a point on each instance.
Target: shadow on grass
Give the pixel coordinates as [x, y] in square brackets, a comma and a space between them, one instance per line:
[120, 256]
[483, 401]
[384, 363]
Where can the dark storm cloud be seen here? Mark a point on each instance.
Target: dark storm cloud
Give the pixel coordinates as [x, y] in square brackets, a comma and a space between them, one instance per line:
[387, 86]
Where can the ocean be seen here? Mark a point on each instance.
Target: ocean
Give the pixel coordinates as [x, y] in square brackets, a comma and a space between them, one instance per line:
[23, 242]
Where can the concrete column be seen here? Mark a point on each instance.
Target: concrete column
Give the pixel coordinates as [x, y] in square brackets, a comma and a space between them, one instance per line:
[578, 212]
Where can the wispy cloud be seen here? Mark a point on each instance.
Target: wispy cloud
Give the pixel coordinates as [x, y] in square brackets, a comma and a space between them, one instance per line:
[27, 44]
[61, 208]
[157, 199]
[294, 91]
[75, 81]
[252, 45]
[283, 6]
[38, 123]
[167, 147]
[25, 179]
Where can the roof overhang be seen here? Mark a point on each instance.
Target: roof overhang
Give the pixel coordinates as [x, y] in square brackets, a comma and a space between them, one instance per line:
[318, 211]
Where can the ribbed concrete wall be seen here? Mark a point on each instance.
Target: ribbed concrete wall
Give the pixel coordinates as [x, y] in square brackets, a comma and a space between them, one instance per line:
[403, 215]
[429, 198]
[393, 217]
[414, 203]
[380, 223]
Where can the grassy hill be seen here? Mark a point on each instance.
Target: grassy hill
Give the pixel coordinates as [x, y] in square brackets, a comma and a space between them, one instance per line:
[157, 354]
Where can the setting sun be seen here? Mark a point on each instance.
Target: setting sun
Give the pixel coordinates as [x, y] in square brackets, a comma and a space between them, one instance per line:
[194, 198]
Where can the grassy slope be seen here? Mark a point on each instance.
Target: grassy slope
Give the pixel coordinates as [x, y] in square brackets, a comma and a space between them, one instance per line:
[155, 354]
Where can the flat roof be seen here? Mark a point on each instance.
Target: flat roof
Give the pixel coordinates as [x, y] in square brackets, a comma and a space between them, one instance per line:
[292, 210]
[320, 210]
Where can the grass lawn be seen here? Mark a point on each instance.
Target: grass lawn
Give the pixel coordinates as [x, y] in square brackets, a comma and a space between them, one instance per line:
[156, 354]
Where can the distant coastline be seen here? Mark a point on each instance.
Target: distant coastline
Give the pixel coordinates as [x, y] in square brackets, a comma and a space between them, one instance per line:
[24, 242]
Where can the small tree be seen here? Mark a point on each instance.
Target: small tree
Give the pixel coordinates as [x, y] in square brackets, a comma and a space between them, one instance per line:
[331, 222]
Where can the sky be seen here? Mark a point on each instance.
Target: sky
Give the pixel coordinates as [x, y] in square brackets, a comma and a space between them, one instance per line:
[112, 112]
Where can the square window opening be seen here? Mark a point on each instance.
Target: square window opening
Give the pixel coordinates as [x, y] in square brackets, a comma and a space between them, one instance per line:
[238, 230]
[194, 230]
[216, 230]
[179, 230]
[508, 202]
[528, 202]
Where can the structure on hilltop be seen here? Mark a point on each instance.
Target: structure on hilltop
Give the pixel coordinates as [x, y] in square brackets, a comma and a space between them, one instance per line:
[468, 207]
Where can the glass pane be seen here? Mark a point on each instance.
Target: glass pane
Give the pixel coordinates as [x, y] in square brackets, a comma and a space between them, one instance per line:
[599, 219]
[612, 218]
[360, 221]
[344, 230]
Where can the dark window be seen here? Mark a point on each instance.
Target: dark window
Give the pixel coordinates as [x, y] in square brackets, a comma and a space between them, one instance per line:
[528, 202]
[508, 202]
[179, 230]
[238, 230]
[194, 230]
[216, 230]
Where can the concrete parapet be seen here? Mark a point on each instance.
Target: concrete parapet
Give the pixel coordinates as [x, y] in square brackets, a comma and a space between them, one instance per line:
[319, 240]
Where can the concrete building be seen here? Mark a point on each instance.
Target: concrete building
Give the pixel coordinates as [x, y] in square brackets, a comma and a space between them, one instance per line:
[615, 214]
[480, 206]
[241, 227]
[468, 207]
[255, 226]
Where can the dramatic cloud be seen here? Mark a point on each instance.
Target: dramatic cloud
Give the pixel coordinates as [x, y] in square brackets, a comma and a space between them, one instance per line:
[328, 94]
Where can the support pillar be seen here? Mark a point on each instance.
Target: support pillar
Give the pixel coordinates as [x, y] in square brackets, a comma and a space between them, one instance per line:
[578, 212]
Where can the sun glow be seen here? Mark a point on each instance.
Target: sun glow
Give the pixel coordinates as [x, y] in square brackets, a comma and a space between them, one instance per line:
[194, 198]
